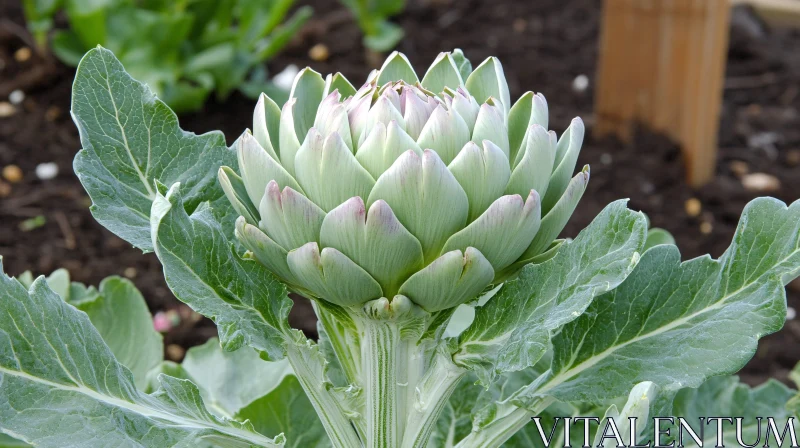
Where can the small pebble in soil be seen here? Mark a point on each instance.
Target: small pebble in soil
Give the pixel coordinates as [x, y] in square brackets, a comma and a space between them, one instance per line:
[12, 173]
[46, 171]
[693, 207]
[175, 352]
[7, 109]
[285, 78]
[319, 53]
[739, 168]
[706, 228]
[793, 157]
[23, 54]
[5, 189]
[580, 83]
[761, 183]
[647, 187]
[520, 25]
[790, 313]
[52, 113]
[130, 272]
[753, 109]
[16, 97]
[606, 158]
[765, 141]
[762, 139]
[449, 18]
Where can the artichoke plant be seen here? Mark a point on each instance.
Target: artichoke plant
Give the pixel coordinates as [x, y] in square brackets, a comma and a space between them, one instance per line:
[432, 189]
[388, 206]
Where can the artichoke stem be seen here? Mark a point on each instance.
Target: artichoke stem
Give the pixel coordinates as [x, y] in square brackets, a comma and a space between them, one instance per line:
[379, 353]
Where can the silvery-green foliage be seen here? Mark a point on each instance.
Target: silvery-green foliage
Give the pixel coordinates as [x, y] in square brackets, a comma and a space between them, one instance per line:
[203, 269]
[61, 385]
[274, 405]
[130, 140]
[388, 206]
[687, 306]
[119, 313]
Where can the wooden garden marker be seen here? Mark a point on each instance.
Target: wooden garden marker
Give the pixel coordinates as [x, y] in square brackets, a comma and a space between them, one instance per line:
[662, 63]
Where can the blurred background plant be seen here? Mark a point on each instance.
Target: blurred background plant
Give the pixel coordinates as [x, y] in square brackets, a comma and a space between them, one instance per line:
[380, 35]
[184, 49]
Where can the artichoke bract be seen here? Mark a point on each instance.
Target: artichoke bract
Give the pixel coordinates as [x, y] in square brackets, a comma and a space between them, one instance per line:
[433, 189]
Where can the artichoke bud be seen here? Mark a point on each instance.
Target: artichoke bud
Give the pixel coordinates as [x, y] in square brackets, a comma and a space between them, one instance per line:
[426, 191]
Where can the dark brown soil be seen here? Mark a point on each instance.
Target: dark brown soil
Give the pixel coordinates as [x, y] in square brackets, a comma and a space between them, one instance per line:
[543, 45]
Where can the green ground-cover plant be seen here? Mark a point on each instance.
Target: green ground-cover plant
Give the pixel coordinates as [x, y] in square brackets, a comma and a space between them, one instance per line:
[372, 17]
[420, 217]
[184, 50]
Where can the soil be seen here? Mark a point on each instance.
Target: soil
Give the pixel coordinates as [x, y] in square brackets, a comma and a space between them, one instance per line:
[544, 45]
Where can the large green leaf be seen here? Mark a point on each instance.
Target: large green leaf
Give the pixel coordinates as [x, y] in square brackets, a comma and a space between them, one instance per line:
[676, 324]
[131, 139]
[287, 410]
[119, 313]
[201, 266]
[229, 381]
[512, 330]
[726, 396]
[60, 385]
[242, 385]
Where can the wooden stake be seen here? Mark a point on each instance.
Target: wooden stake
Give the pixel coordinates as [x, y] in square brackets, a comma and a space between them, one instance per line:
[662, 63]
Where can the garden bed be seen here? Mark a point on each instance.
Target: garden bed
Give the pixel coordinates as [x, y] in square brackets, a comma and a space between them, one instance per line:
[544, 46]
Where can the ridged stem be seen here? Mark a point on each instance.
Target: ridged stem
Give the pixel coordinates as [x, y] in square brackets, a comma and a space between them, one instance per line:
[379, 345]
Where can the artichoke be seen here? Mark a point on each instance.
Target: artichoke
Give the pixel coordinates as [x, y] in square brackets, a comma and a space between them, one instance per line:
[433, 189]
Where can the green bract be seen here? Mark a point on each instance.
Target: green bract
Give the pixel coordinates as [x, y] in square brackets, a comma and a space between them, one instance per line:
[431, 189]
